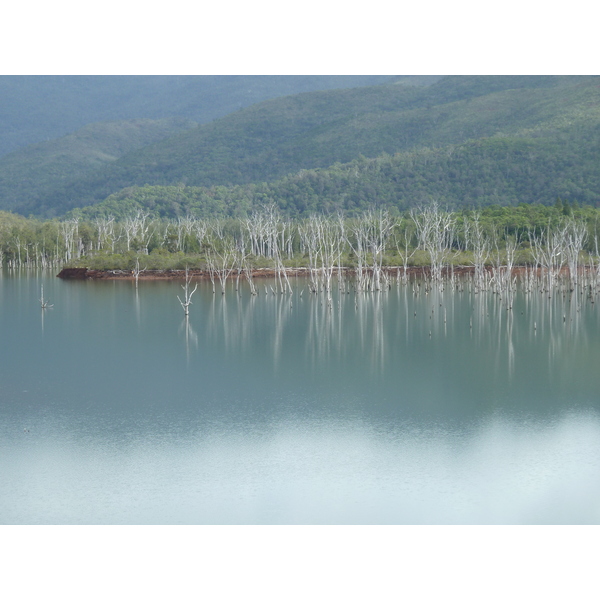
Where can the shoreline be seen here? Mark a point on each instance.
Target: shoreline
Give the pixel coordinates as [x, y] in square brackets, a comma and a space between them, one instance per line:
[112, 274]
[83, 273]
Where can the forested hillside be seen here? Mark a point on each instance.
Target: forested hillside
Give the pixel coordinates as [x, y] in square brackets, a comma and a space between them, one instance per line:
[463, 141]
[39, 108]
[499, 170]
[31, 173]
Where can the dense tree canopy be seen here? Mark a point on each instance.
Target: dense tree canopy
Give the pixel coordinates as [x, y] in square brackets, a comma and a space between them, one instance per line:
[464, 141]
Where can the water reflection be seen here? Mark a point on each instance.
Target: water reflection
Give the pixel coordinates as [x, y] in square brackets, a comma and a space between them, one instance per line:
[191, 337]
[309, 471]
[382, 328]
[136, 307]
[412, 405]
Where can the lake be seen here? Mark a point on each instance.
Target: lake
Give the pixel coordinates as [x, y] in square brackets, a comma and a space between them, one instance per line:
[397, 407]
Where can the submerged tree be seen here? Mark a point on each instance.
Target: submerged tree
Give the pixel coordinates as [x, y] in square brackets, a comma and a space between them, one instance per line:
[185, 304]
[435, 232]
[43, 302]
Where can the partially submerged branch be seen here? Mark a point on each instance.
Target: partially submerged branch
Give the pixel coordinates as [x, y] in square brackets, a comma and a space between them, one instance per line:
[185, 304]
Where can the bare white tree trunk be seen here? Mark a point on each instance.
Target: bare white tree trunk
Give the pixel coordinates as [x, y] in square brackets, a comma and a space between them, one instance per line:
[435, 231]
[43, 302]
[185, 303]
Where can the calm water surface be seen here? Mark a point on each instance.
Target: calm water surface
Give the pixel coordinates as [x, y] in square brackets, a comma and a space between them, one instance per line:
[271, 410]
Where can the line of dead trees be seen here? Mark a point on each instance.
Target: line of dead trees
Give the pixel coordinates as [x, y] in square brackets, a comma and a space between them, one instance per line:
[373, 246]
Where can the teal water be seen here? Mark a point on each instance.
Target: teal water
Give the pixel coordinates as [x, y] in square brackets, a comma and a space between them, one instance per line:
[278, 410]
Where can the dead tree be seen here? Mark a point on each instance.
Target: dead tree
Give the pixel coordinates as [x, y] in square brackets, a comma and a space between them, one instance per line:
[247, 270]
[575, 235]
[309, 235]
[435, 232]
[404, 254]
[547, 250]
[105, 228]
[185, 304]
[137, 229]
[43, 302]
[481, 251]
[70, 234]
[137, 271]
[221, 263]
[380, 226]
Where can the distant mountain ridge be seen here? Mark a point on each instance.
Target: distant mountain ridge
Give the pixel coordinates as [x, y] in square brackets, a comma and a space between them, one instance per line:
[35, 109]
[495, 171]
[31, 172]
[467, 140]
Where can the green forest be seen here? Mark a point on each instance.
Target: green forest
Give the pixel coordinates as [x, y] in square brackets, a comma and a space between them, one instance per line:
[465, 142]
[494, 171]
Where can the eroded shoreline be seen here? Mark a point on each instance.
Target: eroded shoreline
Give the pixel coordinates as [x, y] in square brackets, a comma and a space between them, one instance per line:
[108, 274]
